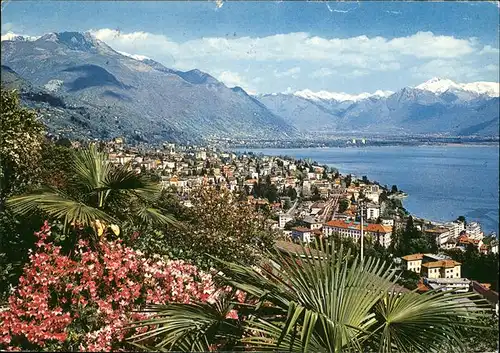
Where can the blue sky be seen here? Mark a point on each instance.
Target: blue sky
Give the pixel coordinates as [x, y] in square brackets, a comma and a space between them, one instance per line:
[277, 46]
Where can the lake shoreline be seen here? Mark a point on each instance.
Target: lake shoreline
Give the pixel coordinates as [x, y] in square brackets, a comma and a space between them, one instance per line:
[442, 181]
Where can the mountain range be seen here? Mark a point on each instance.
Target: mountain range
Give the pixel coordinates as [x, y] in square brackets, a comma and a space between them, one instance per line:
[83, 87]
[438, 106]
[139, 99]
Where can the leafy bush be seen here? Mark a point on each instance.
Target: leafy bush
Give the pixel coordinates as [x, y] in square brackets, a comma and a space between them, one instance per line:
[216, 225]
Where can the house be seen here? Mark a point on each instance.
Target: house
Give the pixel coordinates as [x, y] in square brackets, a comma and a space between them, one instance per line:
[494, 246]
[283, 219]
[372, 211]
[474, 230]
[441, 269]
[441, 234]
[302, 234]
[312, 223]
[353, 230]
[412, 262]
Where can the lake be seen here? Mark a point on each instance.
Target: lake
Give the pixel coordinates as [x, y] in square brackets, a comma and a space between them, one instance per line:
[442, 182]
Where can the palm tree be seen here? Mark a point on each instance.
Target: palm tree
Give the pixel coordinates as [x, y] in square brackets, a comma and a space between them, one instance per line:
[97, 190]
[328, 302]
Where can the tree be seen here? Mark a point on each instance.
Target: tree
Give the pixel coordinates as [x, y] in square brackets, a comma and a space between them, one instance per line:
[462, 219]
[343, 205]
[21, 137]
[315, 194]
[394, 189]
[298, 308]
[98, 191]
[216, 225]
[348, 180]
[291, 193]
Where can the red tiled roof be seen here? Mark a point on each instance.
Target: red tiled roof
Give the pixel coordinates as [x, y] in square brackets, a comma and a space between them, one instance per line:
[442, 263]
[413, 257]
[301, 229]
[369, 227]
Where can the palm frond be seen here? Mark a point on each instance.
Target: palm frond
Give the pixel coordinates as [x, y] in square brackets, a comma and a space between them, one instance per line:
[426, 321]
[91, 167]
[155, 216]
[189, 327]
[322, 299]
[57, 205]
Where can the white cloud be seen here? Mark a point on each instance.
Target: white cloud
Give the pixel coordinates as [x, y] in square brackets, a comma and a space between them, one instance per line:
[293, 72]
[14, 36]
[323, 72]
[488, 49]
[233, 79]
[301, 60]
[360, 51]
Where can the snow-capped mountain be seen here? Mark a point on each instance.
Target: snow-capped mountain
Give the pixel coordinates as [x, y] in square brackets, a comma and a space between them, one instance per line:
[436, 106]
[106, 93]
[134, 56]
[18, 37]
[440, 85]
[340, 96]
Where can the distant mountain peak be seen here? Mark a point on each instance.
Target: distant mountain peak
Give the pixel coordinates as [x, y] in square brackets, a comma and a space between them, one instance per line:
[440, 85]
[80, 41]
[18, 37]
[340, 97]
[137, 57]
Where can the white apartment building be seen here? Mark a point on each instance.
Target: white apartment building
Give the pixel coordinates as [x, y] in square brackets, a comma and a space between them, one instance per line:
[283, 219]
[455, 228]
[473, 230]
[372, 211]
[441, 269]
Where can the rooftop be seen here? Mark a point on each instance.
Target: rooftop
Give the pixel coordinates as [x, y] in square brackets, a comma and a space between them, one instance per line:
[413, 257]
[441, 263]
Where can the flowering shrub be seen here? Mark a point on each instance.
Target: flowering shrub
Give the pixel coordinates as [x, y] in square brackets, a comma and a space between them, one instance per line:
[84, 301]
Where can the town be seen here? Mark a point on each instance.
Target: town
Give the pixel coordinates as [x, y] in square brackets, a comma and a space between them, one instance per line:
[305, 201]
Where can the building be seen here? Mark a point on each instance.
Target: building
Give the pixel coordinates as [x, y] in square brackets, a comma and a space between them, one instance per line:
[494, 246]
[441, 269]
[412, 262]
[473, 230]
[455, 228]
[441, 234]
[302, 234]
[283, 219]
[372, 211]
[312, 223]
[353, 230]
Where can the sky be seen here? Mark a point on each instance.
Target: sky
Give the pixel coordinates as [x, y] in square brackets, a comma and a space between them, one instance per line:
[280, 46]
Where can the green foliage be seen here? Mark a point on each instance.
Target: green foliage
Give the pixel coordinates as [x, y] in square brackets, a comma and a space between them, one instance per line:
[483, 338]
[21, 137]
[462, 219]
[408, 279]
[265, 190]
[343, 205]
[348, 180]
[216, 225]
[412, 241]
[326, 303]
[480, 267]
[291, 193]
[96, 190]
